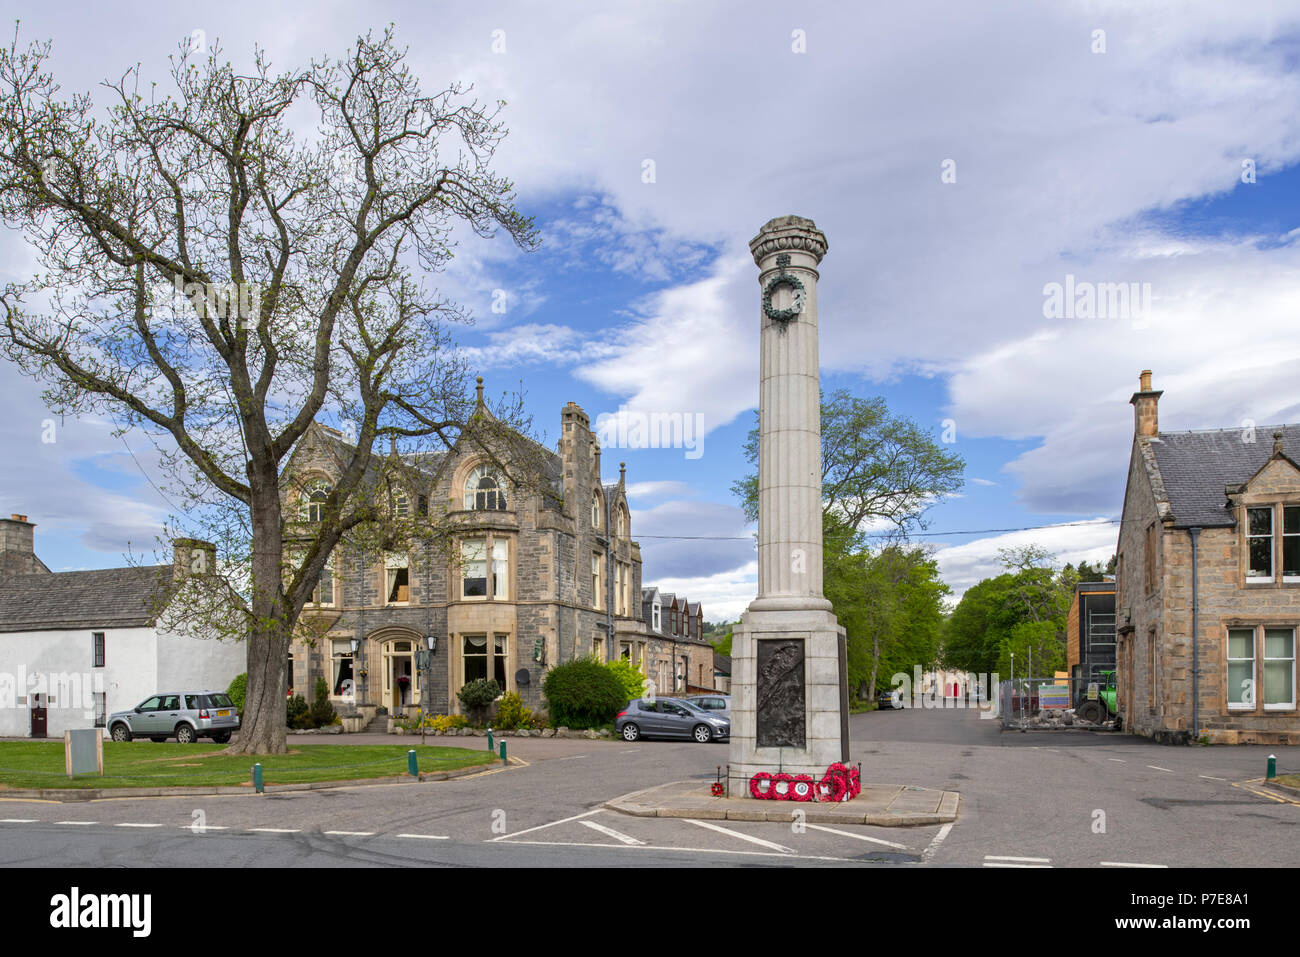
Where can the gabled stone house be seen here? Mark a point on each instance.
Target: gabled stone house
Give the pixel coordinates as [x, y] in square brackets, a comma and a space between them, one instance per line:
[1208, 582]
[535, 578]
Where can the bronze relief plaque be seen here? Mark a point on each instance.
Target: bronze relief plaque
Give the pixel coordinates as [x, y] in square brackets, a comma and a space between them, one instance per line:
[780, 712]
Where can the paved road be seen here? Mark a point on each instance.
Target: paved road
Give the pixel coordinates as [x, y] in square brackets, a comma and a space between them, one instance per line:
[1028, 800]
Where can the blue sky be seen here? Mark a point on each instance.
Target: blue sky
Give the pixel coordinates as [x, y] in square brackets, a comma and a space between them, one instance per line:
[1122, 165]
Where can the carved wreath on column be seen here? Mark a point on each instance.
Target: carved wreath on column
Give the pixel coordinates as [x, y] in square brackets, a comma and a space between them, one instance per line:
[796, 288]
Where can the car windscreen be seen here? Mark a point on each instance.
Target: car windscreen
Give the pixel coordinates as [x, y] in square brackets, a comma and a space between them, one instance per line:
[220, 701]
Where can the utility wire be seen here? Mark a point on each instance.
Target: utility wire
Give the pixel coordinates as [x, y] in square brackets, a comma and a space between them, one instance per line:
[964, 531]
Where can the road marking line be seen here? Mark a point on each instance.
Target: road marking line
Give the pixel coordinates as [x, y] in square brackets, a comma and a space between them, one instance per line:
[76, 822]
[137, 825]
[1023, 860]
[860, 837]
[276, 830]
[1125, 864]
[1211, 777]
[200, 828]
[744, 837]
[610, 832]
[1001, 864]
[427, 837]
[933, 847]
[18, 820]
[552, 824]
[695, 850]
[630, 750]
[1119, 760]
[350, 833]
[1157, 768]
[573, 757]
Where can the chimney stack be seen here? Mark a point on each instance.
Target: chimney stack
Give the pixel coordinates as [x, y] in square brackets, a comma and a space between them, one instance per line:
[17, 547]
[1145, 402]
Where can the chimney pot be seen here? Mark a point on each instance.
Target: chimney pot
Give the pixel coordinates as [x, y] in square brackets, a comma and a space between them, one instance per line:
[1146, 403]
[1145, 381]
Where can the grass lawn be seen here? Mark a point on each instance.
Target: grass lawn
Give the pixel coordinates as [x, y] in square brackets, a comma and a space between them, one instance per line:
[1291, 780]
[143, 764]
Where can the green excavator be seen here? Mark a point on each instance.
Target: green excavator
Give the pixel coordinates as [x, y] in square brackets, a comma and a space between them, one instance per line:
[1104, 706]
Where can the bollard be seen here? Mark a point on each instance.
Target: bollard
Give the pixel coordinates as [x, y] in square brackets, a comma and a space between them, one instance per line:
[503, 753]
[1272, 767]
[490, 739]
[257, 777]
[412, 764]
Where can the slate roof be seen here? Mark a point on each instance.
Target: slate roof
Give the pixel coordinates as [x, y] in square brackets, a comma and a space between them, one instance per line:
[103, 598]
[1195, 467]
[721, 663]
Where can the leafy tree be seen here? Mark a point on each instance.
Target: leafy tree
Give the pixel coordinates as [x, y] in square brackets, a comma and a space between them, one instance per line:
[876, 466]
[629, 677]
[215, 278]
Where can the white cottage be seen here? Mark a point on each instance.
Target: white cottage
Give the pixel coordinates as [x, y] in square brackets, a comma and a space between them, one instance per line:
[77, 646]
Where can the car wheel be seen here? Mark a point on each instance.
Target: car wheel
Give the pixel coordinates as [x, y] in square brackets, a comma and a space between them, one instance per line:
[702, 734]
[221, 738]
[631, 732]
[185, 734]
[121, 732]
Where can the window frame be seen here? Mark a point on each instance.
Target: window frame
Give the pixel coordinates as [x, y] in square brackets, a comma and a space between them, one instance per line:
[1272, 544]
[318, 591]
[99, 649]
[598, 580]
[313, 511]
[1295, 509]
[1229, 660]
[1263, 659]
[502, 498]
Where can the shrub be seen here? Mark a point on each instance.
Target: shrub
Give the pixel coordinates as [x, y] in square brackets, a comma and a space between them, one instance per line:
[629, 677]
[512, 714]
[582, 694]
[297, 713]
[477, 695]
[322, 712]
[446, 722]
[238, 690]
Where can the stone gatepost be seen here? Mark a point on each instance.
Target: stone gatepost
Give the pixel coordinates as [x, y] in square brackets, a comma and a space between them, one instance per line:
[789, 698]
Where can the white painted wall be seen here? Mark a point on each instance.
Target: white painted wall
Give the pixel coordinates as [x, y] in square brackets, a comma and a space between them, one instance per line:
[138, 662]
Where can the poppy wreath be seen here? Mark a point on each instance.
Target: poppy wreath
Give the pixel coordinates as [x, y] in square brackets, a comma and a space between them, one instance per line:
[764, 792]
[779, 793]
[855, 782]
[835, 784]
[716, 788]
[803, 787]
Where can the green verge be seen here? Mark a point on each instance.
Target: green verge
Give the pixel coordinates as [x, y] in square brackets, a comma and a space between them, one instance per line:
[1290, 780]
[144, 764]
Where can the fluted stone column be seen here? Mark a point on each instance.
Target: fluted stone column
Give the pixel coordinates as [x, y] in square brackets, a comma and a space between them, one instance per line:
[788, 708]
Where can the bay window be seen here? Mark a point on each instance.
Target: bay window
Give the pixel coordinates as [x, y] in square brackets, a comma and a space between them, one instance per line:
[478, 558]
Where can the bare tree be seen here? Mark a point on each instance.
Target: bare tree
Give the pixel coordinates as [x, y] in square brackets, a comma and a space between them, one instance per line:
[219, 277]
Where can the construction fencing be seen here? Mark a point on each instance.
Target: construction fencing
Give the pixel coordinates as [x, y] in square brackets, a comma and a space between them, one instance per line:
[1056, 703]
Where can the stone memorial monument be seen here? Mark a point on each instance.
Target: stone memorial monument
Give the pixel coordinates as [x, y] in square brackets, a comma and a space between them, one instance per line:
[789, 692]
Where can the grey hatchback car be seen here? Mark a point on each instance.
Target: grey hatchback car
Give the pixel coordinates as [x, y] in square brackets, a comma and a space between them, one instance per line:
[670, 718]
[186, 716]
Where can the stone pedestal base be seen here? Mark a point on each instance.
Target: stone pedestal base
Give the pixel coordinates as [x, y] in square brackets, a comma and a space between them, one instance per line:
[825, 740]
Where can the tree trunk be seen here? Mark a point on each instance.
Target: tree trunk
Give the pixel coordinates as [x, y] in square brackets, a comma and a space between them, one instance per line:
[262, 725]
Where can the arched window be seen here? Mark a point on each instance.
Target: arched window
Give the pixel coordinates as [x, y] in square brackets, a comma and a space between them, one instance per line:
[401, 504]
[317, 492]
[484, 491]
[622, 521]
[595, 510]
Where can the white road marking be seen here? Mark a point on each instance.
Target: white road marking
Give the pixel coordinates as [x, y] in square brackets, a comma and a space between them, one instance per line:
[1005, 864]
[860, 837]
[137, 825]
[744, 837]
[1018, 860]
[200, 828]
[1119, 760]
[573, 757]
[1166, 770]
[695, 850]
[552, 824]
[610, 832]
[276, 830]
[1211, 777]
[76, 822]
[427, 837]
[18, 820]
[933, 847]
[1125, 864]
[630, 750]
[350, 833]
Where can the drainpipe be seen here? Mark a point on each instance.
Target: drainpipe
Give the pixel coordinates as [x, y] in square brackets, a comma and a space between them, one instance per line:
[1196, 649]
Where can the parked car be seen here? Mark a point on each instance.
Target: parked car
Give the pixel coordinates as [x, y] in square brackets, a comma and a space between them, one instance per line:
[891, 699]
[186, 716]
[719, 704]
[670, 718]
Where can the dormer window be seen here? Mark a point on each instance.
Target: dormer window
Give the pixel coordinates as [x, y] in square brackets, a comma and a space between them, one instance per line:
[484, 491]
[317, 492]
[401, 505]
[621, 520]
[595, 510]
[1291, 543]
[1259, 544]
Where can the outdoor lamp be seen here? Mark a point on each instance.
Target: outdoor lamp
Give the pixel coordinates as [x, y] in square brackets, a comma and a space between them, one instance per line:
[356, 643]
[432, 642]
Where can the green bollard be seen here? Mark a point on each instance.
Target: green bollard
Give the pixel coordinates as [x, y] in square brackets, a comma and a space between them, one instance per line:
[1272, 766]
[503, 753]
[257, 777]
[489, 739]
[412, 763]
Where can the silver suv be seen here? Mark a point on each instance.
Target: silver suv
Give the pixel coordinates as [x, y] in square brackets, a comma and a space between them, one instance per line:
[185, 716]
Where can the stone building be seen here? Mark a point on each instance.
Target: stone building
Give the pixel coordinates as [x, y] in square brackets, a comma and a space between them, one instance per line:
[1208, 582]
[680, 660]
[534, 578]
